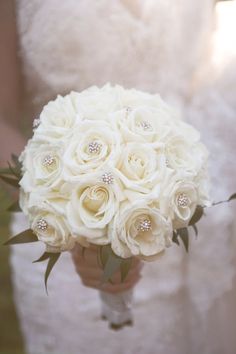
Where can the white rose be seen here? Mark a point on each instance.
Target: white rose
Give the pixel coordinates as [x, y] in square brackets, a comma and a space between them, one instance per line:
[52, 229]
[141, 167]
[179, 200]
[42, 165]
[92, 145]
[139, 230]
[97, 103]
[143, 124]
[92, 206]
[58, 118]
[183, 155]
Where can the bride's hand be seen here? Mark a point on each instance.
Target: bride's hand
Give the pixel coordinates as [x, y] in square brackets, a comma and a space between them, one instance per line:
[90, 271]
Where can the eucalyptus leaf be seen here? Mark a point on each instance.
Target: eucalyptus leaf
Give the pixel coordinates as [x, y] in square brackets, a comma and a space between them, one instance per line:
[197, 215]
[9, 180]
[233, 196]
[14, 207]
[125, 267]
[183, 234]
[53, 258]
[23, 237]
[175, 238]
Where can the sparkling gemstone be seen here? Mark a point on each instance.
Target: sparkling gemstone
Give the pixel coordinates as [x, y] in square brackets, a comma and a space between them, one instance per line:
[146, 125]
[94, 147]
[145, 225]
[183, 200]
[42, 224]
[48, 160]
[36, 122]
[107, 178]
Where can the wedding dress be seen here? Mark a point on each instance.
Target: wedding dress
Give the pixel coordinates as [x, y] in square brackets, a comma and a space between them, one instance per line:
[184, 304]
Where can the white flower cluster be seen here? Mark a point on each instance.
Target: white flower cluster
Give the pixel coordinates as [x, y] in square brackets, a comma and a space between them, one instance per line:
[112, 166]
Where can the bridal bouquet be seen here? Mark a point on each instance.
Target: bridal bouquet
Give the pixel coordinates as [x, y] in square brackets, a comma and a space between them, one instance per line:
[112, 167]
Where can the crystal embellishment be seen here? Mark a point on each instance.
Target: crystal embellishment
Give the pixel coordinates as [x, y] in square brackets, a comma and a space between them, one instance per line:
[94, 147]
[145, 225]
[182, 200]
[36, 122]
[48, 160]
[42, 224]
[107, 178]
[146, 125]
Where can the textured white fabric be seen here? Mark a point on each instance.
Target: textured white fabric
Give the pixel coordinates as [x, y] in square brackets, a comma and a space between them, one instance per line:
[184, 303]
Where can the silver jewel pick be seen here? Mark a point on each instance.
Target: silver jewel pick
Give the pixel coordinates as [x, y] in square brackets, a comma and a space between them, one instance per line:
[182, 200]
[145, 225]
[94, 147]
[36, 122]
[48, 160]
[42, 224]
[107, 178]
[146, 125]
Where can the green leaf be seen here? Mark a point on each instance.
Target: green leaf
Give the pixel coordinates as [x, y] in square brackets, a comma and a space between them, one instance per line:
[195, 229]
[233, 196]
[197, 215]
[5, 171]
[112, 265]
[175, 238]
[104, 254]
[14, 207]
[183, 234]
[9, 180]
[23, 237]
[124, 268]
[16, 161]
[53, 258]
[42, 258]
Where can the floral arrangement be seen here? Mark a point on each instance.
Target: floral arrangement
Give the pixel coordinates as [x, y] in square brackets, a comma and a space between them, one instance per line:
[112, 167]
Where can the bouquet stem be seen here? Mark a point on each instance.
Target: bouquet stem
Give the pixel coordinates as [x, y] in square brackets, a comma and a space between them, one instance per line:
[117, 308]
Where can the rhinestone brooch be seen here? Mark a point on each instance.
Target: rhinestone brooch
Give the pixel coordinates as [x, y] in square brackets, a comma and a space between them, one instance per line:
[146, 125]
[145, 225]
[183, 200]
[94, 147]
[107, 178]
[42, 224]
[48, 160]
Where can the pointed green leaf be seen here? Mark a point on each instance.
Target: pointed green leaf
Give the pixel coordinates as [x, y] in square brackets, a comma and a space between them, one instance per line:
[14, 207]
[14, 171]
[105, 251]
[53, 258]
[112, 265]
[124, 268]
[195, 229]
[197, 215]
[183, 234]
[9, 180]
[233, 196]
[175, 238]
[23, 237]
[5, 171]
[42, 258]
[16, 161]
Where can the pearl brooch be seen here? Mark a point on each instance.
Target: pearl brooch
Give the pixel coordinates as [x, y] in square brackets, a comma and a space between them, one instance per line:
[145, 225]
[107, 178]
[42, 224]
[183, 200]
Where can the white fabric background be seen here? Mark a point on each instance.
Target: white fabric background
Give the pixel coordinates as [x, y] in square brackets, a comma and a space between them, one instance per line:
[184, 303]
